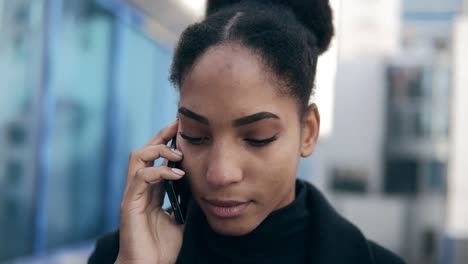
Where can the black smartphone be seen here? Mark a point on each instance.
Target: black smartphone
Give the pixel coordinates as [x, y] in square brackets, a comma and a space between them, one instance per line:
[177, 191]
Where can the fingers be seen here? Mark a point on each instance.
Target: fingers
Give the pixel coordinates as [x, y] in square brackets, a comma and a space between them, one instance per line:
[142, 175]
[165, 135]
[145, 157]
[145, 177]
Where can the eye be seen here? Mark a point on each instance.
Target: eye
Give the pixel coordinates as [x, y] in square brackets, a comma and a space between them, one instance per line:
[193, 140]
[260, 142]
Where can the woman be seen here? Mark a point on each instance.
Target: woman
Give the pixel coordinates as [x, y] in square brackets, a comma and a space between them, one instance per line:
[245, 76]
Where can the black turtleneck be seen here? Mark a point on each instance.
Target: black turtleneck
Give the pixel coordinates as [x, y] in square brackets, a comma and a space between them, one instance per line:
[281, 238]
[308, 230]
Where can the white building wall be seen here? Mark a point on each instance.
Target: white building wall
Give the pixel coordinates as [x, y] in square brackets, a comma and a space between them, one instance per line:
[457, 224]
[355, 139]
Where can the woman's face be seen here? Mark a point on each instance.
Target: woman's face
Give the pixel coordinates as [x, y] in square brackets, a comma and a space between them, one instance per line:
[241, 139]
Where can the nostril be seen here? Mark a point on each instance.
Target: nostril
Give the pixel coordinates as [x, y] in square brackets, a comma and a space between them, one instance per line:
[220, 177]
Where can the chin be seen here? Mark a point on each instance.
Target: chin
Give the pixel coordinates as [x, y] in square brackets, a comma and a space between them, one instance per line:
[232, 227]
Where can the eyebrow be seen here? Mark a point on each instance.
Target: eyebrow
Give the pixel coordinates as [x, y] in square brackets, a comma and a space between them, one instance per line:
[236, 123]
[194, 116]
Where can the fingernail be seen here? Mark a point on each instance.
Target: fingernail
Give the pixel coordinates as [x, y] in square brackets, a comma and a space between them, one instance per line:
[176, 151]
[178, 171]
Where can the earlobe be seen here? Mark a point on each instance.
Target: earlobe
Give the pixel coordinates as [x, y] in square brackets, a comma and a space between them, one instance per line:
[310, 130]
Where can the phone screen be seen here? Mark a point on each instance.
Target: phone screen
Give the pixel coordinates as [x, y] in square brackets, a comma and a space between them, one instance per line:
[177, 191]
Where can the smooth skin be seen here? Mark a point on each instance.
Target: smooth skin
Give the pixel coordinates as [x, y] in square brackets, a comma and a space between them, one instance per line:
[147, 233]
[241, 138]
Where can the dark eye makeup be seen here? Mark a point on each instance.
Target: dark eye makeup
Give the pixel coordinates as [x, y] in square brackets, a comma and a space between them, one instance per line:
[261, 142]
[193, 140]
[250, 141]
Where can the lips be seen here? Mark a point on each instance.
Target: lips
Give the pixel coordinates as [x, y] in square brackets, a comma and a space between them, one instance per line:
[227, 208]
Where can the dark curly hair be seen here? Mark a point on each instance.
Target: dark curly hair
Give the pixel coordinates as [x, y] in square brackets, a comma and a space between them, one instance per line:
[288, 35]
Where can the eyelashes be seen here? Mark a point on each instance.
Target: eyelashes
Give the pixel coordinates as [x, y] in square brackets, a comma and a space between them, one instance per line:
[261, 142]
[193, 140]
[250, 141]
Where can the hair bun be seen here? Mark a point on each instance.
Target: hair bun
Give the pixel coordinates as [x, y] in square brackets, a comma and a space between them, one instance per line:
[315, 15]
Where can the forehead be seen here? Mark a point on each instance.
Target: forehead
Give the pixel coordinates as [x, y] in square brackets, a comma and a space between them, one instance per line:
[232, 78]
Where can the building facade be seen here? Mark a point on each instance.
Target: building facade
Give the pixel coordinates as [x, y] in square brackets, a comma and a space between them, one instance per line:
[83, 84]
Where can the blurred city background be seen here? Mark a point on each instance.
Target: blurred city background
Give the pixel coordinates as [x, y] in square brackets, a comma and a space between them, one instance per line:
[84, 82]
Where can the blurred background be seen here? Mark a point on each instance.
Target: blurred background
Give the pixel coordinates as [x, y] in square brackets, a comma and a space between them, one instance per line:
[84, 82]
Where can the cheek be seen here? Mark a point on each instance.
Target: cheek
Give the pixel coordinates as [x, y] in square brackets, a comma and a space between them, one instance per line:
[194, 164]
[282, 154]
[275, 170]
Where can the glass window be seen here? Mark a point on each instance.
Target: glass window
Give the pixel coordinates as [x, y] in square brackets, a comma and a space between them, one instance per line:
[422, 122]
[349, 179]
[401, 176]
[405, 82]
[148, 101]
[77, 160]
[20, 60]
[80, 86]
[436, 175]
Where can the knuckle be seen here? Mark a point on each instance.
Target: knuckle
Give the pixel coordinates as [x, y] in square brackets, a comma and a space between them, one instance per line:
[140, 174]
[124, 202]
[154, 150]
[166, 138]
[160, 151]
[159, 147]
[123, 206]
[132, 154]
[126, 207]
[162, 171]
[159, 138]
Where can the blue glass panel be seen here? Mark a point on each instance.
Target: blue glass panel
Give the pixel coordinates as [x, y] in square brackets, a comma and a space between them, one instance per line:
[77, 145]
[20, 61]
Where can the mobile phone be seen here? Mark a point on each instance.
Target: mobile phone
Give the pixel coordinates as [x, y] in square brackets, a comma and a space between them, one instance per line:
[176, 190]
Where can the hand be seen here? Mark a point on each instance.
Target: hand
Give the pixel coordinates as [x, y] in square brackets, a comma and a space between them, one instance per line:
[147, 233]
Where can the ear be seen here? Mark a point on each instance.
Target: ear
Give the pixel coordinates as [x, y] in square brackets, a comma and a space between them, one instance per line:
[310, 130]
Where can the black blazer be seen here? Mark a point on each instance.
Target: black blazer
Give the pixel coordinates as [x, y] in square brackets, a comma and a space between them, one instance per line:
[334, 239]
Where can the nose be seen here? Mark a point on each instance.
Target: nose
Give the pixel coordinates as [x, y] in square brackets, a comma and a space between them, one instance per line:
[224, 168]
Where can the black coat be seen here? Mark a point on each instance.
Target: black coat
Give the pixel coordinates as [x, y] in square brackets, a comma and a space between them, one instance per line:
[334, 239]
